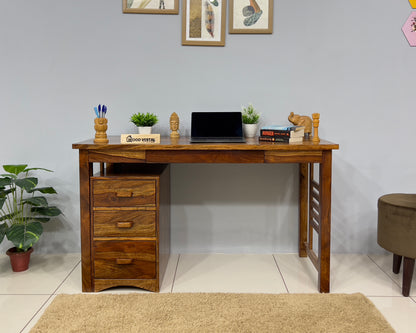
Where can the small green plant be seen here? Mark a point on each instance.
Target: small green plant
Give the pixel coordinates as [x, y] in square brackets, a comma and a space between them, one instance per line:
[250, 115]
[22, 211]
[144, 119]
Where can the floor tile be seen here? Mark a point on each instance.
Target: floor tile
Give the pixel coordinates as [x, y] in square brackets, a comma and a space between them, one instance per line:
[299, 274]
[352, 273]
[45, 274]
[18, 310]
[73, 284]
[385, 262]
[249, 273]
[400, 312]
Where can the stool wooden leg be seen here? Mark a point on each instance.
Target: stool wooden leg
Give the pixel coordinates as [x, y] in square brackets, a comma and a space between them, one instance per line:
[408, 266]
[397, 260]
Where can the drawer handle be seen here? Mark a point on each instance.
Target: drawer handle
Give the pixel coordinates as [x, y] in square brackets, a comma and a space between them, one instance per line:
[124, 194]
[124, 261]
[124, 225]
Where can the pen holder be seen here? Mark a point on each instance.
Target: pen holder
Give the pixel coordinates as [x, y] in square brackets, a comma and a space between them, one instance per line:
[100, 130]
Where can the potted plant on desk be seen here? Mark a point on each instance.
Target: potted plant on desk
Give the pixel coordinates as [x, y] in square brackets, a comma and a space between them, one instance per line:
[144, 122]
[22, 212]
[250, 121]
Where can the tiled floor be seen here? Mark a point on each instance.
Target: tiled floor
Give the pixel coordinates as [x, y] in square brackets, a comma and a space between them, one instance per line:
[25, 295]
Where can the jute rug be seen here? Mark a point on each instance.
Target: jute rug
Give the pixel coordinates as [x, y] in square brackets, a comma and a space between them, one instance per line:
[212, 312]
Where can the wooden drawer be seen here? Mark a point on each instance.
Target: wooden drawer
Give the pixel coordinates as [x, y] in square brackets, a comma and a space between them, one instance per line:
[125, 259]
[125, 223]
[123, 192]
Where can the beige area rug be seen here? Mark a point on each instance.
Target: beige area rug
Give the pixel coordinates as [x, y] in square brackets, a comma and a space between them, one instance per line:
[212, 312]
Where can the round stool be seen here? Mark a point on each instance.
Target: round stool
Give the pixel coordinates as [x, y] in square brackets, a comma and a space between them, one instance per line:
[396, 232]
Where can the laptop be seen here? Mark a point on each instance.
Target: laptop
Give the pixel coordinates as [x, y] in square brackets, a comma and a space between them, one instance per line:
[216, 127]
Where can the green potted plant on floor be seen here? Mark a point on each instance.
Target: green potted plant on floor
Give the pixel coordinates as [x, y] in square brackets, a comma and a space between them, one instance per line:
[22, 212]
[250, 121]
[144, 122]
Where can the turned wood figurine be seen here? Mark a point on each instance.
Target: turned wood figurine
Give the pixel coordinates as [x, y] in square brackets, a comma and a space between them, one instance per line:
[315, 117]
[100, 130]
[174, 125]
[298, 120]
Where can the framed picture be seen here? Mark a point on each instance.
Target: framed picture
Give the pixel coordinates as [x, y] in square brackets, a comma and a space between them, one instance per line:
[151, 6]
[250, 17]
[203, 22]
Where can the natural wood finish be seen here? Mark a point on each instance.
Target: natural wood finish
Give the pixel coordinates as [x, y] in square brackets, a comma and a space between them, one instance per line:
[325, 176]
[299, 120]
[303, 208]
[123, 193]
[122, 166]
[85, 172]
[124, 223]
[100, 130]
[148, 284]
[315, 117]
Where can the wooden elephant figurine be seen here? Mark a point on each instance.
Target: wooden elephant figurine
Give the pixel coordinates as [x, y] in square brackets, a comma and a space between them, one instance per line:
[298, 120]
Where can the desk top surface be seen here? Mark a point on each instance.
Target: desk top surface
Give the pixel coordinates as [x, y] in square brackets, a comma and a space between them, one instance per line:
[183, 143]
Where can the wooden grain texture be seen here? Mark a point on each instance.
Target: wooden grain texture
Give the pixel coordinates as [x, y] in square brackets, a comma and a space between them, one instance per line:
[124, 223]
[116, 156]
[148, 284]
[325, 179]
[303, 208]
[85, 172]
[109, 263]
[123, 193]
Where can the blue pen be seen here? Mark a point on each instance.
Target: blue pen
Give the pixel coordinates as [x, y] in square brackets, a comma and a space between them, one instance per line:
[96, 112]
[99, 110]
[104, 110]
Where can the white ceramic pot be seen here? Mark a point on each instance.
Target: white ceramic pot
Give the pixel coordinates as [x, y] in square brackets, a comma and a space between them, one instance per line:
[250, 130]
[145, 129]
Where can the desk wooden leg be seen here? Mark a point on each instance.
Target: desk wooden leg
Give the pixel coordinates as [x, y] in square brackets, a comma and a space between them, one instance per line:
[325, 174]
[85, 172]
[303, 208]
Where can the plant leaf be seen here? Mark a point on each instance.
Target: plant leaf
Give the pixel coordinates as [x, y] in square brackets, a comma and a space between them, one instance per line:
[15, 169]
[2, 201]
[40, 219]
[29, 169]
[36, 201]
[24, 236]
[5, 181]
[28, 183]
[46, 211]
[44, 190]
[3, 229]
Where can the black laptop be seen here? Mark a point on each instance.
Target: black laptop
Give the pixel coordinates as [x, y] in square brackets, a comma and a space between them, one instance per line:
[216, 127]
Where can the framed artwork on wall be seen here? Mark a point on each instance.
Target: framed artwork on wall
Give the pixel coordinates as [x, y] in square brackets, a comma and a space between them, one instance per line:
[151, 6]
[250, 17]
[203, 22]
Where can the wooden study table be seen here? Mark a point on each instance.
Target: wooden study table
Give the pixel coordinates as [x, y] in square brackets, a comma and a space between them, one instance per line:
[314, 198]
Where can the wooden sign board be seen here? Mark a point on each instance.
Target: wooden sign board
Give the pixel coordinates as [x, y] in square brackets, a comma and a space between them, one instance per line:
[142, 139]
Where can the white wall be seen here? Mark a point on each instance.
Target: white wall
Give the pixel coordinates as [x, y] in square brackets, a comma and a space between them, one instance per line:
[347, 60]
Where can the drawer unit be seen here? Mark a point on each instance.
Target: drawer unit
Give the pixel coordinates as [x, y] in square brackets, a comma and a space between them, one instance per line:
[123, 193]
[124, 223]
[125, 259]
[130, 228]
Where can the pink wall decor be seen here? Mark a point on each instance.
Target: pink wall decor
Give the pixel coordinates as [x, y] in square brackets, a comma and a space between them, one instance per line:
[409, 29]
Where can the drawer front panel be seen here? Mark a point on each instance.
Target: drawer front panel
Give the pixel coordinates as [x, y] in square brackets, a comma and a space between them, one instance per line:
[123, 193]
[125, 259]
[125, 223]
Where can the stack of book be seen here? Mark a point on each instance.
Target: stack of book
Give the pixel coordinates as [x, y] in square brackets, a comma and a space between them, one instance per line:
[289, 134]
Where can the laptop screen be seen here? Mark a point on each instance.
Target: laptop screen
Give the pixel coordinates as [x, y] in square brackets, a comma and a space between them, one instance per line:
[216, 124]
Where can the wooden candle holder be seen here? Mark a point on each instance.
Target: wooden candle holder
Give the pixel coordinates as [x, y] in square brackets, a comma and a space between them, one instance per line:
[100, 130]
[315, 117]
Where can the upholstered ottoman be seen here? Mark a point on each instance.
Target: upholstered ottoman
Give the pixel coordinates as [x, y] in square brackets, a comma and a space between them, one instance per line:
[396, 232]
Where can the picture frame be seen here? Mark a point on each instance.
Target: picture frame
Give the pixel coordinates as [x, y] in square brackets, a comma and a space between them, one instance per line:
[250, 17]
[151, 6]
[203, 22]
